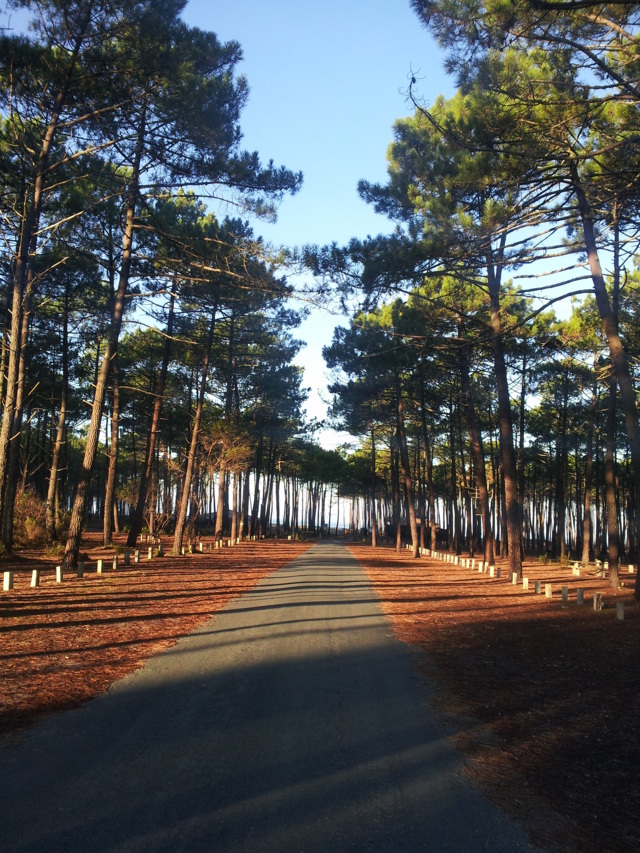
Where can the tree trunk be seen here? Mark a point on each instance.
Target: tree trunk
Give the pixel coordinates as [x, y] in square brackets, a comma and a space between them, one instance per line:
[616, 349]
[588, 477]
[181, 518]
[110, 490]
[22, 274]
[374, 520]
[408, 481]
[82, 492]
[477, 451]
[137, 517]
[219, 528]
[613, 530]
[507, 451]
[13, 461]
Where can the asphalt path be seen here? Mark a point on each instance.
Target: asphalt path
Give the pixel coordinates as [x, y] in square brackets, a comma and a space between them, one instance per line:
[292, 721]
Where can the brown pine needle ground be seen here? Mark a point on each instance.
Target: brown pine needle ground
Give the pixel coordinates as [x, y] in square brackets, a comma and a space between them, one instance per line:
[63, 643]
[540, 697]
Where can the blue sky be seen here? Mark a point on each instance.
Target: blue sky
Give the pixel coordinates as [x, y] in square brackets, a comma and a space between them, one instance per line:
[327, 81]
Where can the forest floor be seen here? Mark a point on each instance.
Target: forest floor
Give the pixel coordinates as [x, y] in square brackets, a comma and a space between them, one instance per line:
[540, 697]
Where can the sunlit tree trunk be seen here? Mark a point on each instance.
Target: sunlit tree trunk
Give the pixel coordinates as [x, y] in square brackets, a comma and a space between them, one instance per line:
[477, 451]
[110, 490]
[181, 518]
[505, 424]
[617, 352]
[137, 517]
[91, 447]
[408, 481]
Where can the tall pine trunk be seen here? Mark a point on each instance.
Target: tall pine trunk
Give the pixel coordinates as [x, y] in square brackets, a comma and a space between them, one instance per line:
[408, 480]
[110, 490]
[181, 518]
[613, 530]
[22, 278]
[617, 352]
[477, 452]
[53, 488]
[505, 424]
[82, 492]
[137, 517]
[588, 478]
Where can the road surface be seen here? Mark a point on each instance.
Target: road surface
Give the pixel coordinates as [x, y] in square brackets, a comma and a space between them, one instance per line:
[292, 721]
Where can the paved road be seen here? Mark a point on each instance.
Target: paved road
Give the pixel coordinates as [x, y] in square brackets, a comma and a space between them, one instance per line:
[292, 721]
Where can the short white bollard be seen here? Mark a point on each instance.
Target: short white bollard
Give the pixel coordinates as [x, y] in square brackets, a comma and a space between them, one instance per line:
[631, 569]
[136, 555]
[525, 584]
[579, 595]
[150, 553]
[565, 594]
[59, 574]
[80, 569]
[201, 545]
[498, 572]
[115, 563]
[620, 611]
[597, 601]
[160, 551]
[538, 587]
[548, 593]
[99, 567]
[35, 578]
[514, 578]
[7, 581]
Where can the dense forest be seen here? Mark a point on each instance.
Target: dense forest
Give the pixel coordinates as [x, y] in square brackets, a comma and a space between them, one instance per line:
[493, 355]
[489, 369]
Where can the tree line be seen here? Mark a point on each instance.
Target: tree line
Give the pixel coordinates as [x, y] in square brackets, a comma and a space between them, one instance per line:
[517, 192]
[147, 343]
[147, 371]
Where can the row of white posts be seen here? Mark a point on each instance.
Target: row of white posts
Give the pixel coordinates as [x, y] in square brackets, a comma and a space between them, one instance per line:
[495, 572]
[7, 582]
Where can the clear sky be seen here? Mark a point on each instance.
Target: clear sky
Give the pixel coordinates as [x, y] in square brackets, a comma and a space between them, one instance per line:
[327, 81]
